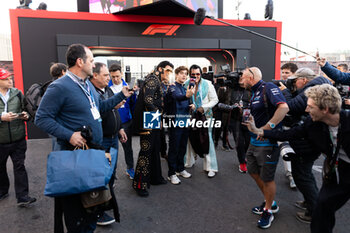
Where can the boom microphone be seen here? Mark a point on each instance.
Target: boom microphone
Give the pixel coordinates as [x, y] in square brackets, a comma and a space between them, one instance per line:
[200, 16]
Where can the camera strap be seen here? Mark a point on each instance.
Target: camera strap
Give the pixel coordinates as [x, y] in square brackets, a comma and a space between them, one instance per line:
[333, 160]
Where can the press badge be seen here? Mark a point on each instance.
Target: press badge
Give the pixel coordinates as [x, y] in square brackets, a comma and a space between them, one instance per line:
[95, 113]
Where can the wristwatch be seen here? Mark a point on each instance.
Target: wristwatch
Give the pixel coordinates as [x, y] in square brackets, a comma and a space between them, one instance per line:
[272, 125]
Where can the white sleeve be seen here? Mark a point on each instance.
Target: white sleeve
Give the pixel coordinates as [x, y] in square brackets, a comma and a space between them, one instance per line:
[212, 96]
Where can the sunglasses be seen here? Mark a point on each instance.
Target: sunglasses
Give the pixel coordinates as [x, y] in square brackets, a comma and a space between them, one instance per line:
[196, 74]
[251, 72]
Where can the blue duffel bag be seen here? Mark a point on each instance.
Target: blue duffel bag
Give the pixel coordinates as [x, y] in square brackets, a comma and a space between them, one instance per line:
[78, 171]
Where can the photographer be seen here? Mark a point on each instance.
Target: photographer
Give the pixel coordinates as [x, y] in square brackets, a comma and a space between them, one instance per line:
[327, 130]
[219, 114]
[232, 100]
[305, 156]
[339, 77]
[332, 72]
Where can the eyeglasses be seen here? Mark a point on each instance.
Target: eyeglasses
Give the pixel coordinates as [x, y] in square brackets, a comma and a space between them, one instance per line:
[196, 74]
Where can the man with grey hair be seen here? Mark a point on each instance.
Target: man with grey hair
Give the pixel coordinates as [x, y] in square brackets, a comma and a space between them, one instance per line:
[268, 106]
[328, 130]
[305, 155]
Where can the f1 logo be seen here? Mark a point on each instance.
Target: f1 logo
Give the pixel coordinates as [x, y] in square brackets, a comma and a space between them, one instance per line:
[168, 30]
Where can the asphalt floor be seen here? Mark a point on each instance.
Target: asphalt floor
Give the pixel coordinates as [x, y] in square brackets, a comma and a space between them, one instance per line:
[198, 204]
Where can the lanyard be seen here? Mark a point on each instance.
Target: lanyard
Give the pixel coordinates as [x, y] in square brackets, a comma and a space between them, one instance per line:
[5, 98]
[87, 92]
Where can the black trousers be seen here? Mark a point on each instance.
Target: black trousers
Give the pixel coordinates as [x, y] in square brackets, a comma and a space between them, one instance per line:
[242, 139]
[16, 151]
[75, 216]
[127, 146]
[331, 198]
[178, 138]
[163, 142]
[148, 168]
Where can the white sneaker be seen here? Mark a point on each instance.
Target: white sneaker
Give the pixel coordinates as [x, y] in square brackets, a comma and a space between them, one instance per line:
[174, 179]
[292, 184]
[211, 174]
[184, 174]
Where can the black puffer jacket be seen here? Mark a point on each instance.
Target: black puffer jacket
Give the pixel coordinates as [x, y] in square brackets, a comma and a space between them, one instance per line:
[111, 122]
[297, 106]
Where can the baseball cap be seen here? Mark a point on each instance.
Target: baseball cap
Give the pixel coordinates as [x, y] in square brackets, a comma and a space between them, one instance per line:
[4, 73]
[303, 72]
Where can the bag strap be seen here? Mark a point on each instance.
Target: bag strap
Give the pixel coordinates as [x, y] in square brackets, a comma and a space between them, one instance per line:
[85, 147]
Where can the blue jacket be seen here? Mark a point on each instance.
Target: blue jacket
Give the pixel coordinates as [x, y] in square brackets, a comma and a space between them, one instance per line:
[179, 103]
[297, 105]
[336, 75]
[65, 108]
[129, 106]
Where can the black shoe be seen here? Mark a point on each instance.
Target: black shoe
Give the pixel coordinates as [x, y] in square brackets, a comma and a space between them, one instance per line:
[303, 217]
[25, 201]
[3, 196]
[300, 205]
[162, 181]
[105, 220]
[142, 192]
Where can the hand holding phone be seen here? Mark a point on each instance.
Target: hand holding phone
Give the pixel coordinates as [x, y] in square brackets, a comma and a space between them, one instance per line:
[246, 115]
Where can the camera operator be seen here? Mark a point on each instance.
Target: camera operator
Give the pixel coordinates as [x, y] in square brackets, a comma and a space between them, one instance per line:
[222, 115]
[232, 100]
[305, 156]
[327, 130]
[339, 77]
[288, 70]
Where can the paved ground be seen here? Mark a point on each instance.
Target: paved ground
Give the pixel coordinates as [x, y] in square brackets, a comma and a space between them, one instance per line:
[199, 204]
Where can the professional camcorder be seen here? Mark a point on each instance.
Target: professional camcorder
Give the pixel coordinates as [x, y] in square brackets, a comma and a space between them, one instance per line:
[288, 83]
[344, 93]
[232, 78]
[209, 75]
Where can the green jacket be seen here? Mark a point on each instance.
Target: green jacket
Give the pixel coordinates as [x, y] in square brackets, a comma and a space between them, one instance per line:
[14, 130]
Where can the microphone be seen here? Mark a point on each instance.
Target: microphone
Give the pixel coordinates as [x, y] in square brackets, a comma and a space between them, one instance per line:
[199, 16]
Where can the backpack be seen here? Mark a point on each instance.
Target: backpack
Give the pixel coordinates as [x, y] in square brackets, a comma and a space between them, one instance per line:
[33, 97]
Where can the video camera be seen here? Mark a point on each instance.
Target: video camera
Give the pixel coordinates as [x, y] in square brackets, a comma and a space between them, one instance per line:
[209, 75]
[344, 94]
[232, 78]
[288, 83]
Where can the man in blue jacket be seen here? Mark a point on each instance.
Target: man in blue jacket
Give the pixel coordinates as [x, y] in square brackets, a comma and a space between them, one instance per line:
[68, 104]
[332, 72]
[125, 111]
[178, 136]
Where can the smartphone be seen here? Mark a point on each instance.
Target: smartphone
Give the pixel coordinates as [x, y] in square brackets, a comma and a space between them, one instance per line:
[246, 115]
[20, 115]
[192, 82]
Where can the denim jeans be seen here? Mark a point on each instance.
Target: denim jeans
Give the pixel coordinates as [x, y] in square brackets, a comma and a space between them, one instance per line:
[305, 181]
[107, 143]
